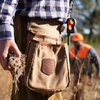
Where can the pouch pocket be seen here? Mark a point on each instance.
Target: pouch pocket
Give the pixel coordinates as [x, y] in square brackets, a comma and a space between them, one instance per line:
[47, 69]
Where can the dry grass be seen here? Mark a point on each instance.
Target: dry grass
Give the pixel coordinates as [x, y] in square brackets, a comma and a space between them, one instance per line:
[92, 91]
[5, 84]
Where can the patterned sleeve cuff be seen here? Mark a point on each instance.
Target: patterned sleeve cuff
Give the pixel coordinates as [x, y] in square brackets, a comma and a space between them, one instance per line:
[6, 32]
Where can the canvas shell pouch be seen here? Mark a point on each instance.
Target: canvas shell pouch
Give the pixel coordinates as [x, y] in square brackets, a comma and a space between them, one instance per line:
[47, 66]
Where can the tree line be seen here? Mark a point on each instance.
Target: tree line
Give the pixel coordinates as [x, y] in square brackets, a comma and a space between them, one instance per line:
[87, 15]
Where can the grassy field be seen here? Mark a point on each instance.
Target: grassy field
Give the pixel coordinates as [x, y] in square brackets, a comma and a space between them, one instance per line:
[93, 92]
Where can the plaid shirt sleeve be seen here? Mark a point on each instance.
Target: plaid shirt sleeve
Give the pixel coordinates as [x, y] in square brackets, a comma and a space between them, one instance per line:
[7, 12]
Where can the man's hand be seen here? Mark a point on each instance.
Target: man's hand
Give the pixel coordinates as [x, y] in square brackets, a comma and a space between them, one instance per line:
[5, 47]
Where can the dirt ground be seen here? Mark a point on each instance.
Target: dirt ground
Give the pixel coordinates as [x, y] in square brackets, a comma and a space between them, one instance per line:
[5, 84]
[92, 91]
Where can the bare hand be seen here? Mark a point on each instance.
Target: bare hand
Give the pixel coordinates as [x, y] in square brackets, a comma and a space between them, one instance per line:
[5, 47]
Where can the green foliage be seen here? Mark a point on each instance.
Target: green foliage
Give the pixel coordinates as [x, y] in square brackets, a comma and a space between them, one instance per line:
[95, 42]
[87, 14]
[64, 38]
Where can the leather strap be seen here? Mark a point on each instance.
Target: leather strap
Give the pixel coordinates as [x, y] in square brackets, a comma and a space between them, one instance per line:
[44, 36]
[46, 44]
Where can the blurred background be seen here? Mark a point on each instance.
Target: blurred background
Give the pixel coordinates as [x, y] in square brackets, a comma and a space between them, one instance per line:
[87, 15]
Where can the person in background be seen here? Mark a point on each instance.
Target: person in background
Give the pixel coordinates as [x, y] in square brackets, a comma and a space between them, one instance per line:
[85, 54]
[37, 16]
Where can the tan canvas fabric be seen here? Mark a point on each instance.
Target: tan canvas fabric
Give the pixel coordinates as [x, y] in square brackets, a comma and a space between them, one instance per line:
[49, 28]
[44, 27]
[47, 68]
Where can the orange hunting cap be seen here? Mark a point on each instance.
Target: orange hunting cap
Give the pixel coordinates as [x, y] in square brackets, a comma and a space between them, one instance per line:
[77, 37]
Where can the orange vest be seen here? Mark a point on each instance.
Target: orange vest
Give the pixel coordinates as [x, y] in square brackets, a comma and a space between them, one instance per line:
[81, 53]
